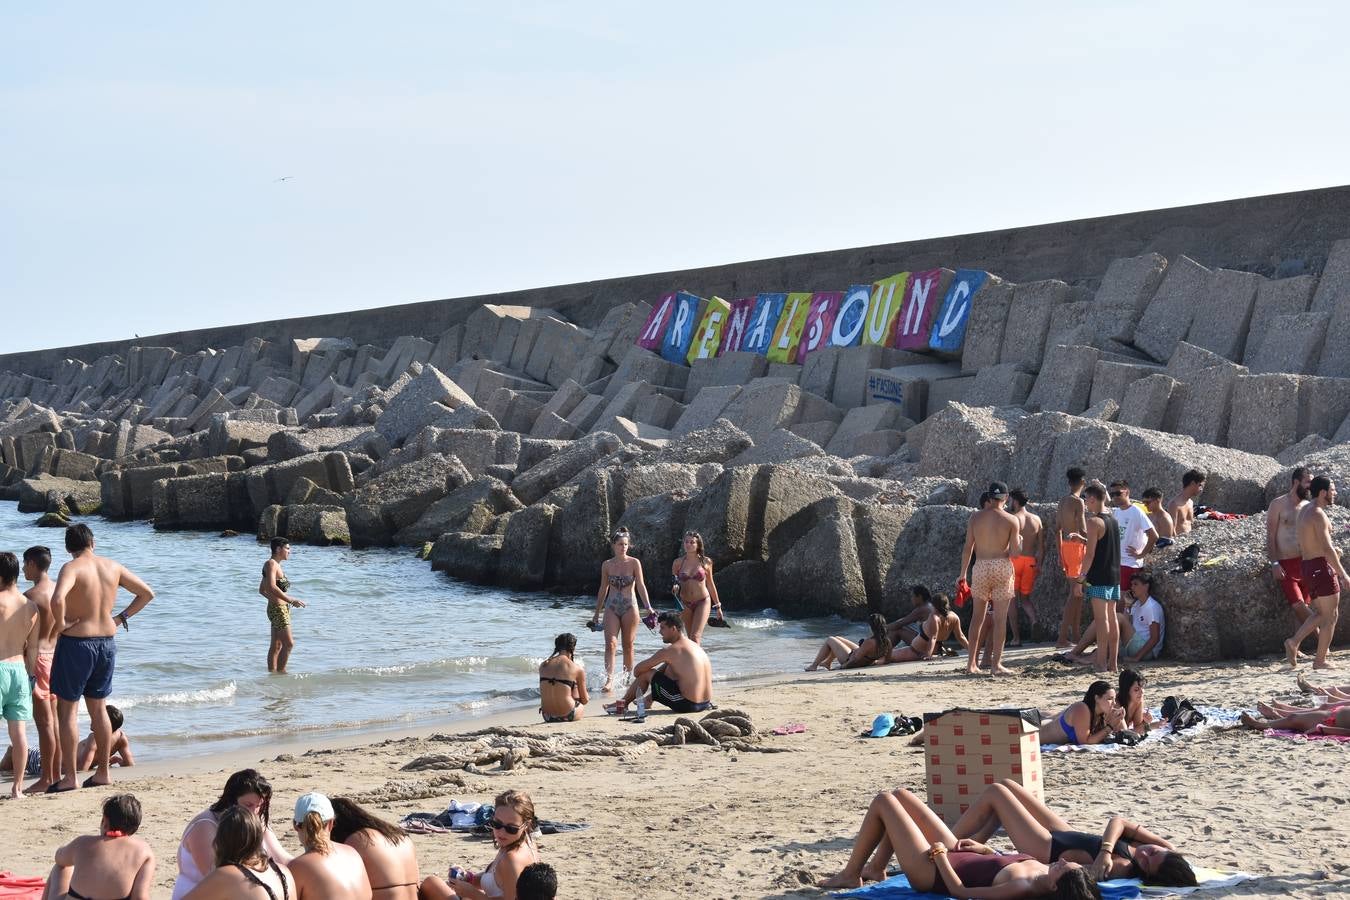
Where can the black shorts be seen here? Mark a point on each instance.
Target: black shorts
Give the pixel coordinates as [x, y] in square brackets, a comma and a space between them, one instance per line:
[666, 691]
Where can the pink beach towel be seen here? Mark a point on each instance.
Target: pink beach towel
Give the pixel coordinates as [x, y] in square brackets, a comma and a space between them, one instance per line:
[12, 887]
[1292, 736]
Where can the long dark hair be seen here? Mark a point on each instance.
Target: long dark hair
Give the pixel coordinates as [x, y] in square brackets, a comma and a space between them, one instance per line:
[349, 818]
[245, 781]
[1077, 884]
[1094, 691]
[942, 604]
[1128, 679]
[239, 837]
[565, 643]
[877, 622]
[702, 558]
[1173, 871]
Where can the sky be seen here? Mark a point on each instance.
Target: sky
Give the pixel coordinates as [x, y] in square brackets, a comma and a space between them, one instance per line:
[169, 165]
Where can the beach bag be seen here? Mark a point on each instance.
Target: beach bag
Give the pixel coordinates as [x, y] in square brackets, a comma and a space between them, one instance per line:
[1126, 738]
[1180, 714]
[1188, 558]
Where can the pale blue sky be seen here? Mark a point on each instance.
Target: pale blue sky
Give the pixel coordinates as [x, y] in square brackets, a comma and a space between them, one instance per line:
[439, 149]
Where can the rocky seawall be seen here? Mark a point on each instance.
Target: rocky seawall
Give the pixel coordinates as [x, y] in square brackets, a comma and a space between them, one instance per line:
[824, 479]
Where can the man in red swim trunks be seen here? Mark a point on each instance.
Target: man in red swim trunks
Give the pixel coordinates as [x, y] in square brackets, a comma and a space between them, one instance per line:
[1323, 573]
[1282, 543]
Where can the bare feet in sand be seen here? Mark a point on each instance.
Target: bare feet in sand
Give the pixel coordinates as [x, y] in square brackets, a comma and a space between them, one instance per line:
[1324, 664]
[1291, 653]
[38, 787]
[842, 880]
[1249, 721]
[1002, 670]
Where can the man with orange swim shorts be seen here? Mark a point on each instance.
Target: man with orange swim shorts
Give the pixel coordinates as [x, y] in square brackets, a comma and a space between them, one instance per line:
[1071, 526]
[1026, 563]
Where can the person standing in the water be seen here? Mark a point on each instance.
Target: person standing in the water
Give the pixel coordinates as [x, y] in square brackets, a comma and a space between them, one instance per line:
[274, 587]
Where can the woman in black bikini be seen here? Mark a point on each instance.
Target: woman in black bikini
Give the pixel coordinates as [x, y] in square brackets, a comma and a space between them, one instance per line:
[562, 683]
[620, 579]
[693, 572]
[938, 627]
[386, 849]
[243, 871]
[935, 861]
[274, 587]
[869, 651]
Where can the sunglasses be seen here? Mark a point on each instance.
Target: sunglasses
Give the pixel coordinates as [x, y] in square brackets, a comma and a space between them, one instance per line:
[1115, 493]
[499, 825]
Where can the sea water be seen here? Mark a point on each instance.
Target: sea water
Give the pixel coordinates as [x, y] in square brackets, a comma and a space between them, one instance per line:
[383, 642]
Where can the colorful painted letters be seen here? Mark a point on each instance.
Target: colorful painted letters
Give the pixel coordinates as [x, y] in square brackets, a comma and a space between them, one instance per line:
[708, 336]
[888, 295]
[680, 334]
[763, 323]
[788, 334]
[922, 298]
[738, 321]
[949, 328]
[819, 322]
[654, 331]
[851, 318]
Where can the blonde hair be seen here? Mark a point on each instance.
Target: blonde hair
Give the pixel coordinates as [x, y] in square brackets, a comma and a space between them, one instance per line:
[524, 807]
[312, 833]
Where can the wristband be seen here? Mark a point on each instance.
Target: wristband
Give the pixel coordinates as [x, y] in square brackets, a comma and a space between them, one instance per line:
[935, 851]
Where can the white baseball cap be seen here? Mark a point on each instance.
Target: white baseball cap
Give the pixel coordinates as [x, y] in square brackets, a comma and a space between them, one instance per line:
[313, 802]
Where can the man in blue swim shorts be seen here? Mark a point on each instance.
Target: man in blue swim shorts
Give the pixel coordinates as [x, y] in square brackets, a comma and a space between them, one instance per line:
[86, 652]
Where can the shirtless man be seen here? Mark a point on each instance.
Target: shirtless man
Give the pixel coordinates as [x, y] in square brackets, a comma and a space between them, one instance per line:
[1027, 563]
[18, 662]
[86, 652]
[112, 861]
[1282, 543]
[1160, 517]
[679, 674]
[1182, 506]
[993, 538]
[1323, 573]
[1071, 522]
[36, 562]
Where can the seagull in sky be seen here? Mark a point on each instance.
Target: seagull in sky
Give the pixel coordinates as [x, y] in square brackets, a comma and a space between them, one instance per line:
[285, 178]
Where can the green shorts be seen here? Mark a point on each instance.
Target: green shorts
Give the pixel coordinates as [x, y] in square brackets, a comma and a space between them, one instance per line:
[16, 692]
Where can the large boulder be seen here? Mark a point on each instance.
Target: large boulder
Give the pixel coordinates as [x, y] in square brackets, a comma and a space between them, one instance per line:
[470, 508]
[820, 573]
[209, 501]
[271, 484]
[719, 442]
[575, 550]
[778, 446]
[308, 523]
[523, 562]
[1333, 461]
[419, 402]
[469, 557]
[49, 493]
[290, 443]
[232, 436]
[397, 499]
[533, 483]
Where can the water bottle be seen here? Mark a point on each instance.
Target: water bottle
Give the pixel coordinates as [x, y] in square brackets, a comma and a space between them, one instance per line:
[641, 706]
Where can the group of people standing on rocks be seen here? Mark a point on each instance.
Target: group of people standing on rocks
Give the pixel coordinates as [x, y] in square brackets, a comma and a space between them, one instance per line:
[56, 647]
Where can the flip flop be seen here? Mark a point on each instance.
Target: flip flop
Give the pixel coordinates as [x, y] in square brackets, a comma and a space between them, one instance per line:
[791, 728]
[91, 783]
[53, 789]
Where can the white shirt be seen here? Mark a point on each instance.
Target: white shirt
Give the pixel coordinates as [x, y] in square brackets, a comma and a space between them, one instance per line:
[1143, 615]
[1133, 523]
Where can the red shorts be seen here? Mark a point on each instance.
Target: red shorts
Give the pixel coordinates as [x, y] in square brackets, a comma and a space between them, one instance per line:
[1291, 580]
[1126, 573]
[1024, 573]
[1319, 579]
[42, 688]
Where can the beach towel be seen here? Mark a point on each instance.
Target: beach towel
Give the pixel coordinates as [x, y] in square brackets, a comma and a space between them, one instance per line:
[14, 887]
[898, 887]
[1209, 880]
[1216, 718]
[458, 817]
[1301, 736]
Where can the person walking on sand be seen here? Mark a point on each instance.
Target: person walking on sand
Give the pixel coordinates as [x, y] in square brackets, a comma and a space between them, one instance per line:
[113, 861]
[1282, 543]
[679, 674]
[1102, 581]
[1182, 506]
[993, 538]
[274, 587]
[621, 583]
[36, 561]
[562, 683]
[693, 573]
[1027, 563]
[86, 652]
[1071, 521]
[18, 662]
[1323, 573]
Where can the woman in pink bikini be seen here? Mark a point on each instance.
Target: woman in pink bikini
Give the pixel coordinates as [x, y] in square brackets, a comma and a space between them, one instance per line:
[621, 583]
[693, 572]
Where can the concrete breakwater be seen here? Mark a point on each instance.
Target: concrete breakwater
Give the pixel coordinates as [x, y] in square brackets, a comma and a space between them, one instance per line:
[514, 441]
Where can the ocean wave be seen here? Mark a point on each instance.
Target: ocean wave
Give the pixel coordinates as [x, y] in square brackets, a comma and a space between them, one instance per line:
[201, 697]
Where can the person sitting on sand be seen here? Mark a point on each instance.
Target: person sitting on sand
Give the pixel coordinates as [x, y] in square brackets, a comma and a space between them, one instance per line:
[112, 862]
[935, 861]
[1130, 696]
[938, 627]
[325, 871]
[385, 848]
[1329, 720]
[1088, 721]
[1038, 831]
[537, 882]
[246, 788]
[513, 820]
[679, 674]
[243, 868]
[562, 683]
[121, 745]
[906, 628]
[867, 652]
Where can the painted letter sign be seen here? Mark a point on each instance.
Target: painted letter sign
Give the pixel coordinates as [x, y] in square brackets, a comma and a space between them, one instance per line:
[922, 298]
[888, 295]
[789, 331]
[654, 331]
[708, 336]
[763, 323]
[949, 329]
[738, 321]
[680, 334]
[851, 318]
[819, 322]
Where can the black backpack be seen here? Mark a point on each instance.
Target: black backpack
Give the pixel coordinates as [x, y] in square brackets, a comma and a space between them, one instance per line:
[1180, 714]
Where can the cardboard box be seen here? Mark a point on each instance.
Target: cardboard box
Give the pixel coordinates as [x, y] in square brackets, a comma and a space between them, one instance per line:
[966, 750]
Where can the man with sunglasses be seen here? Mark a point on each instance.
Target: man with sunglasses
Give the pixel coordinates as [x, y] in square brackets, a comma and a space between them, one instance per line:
[1137, 534]
[679, 674]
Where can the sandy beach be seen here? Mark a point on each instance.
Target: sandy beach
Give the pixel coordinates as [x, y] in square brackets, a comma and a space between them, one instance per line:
[697, 822]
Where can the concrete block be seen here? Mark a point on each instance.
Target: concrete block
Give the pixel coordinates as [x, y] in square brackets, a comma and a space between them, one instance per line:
[565, 399]
[863, 420]
[1188, 359]
[907, 386]
[949, 390]
[1292, 344]
[735, 367]
[1125, 291]
[513, 409]
[585, 413]
[491, 379]
[1205, 409]
[1323, 404]
[1111, 379]
[1003, 384]
[948, 335]
[504, 341]
[659, 410]
[1029, 321]
[625, 401]
[551, 426]
[760, 408]
[1065, 380]
[877, 443]
[1147, 400]
[706, 407]
[851, 371]
[419, 403]
[1070, 325]
[279, 390]
[1167, 319]
[447, 350]
[789, 372]
[1224, 315]
[818, 371]
[524, 343]
[985, 325]
[819, 433]
[1283, 297]
[1333, 300]
[558, 342]
[642, 365]
[1266, 410]
[1333, 287]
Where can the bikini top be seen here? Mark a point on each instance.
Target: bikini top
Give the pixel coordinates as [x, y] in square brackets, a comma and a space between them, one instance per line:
[253, 877]
[570, 684]
[696, 575]
[620, 581]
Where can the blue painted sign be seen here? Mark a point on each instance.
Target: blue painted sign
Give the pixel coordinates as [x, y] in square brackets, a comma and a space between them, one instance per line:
[763, 322]
[949, 327]
[680, 334]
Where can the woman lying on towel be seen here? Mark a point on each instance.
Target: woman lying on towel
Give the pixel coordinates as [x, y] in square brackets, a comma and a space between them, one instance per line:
[935, 861]
[1331, 693]
[1332, 720]
[940, 625]
[869, 651]
[1089, 721]
[1130, 696]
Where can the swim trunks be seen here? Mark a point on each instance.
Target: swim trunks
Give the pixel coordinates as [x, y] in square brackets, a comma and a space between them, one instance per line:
[1024, 573]
[1102, 592]
[279, 614]
[16, 694]
[666, 690]
[1136, 643]
[1127, 573]
[993, 579]
[1319, 579]
[42, 688]
[1291, 580]
[83, 666]
[1071, 555]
